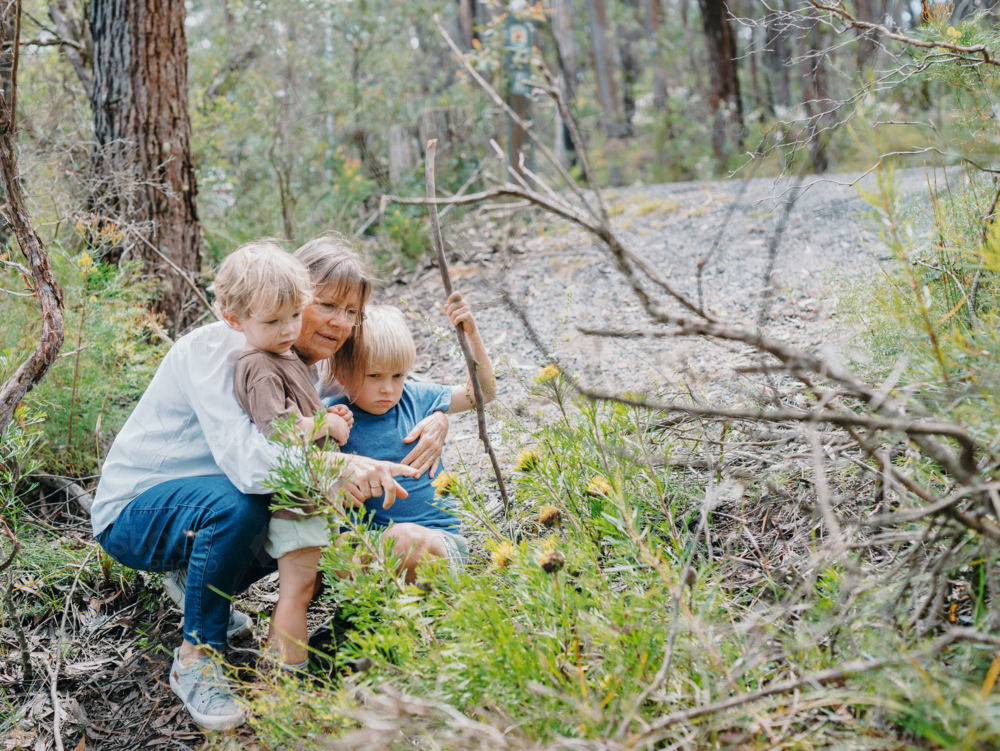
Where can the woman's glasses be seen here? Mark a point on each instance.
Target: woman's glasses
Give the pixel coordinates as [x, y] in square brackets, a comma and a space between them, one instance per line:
[353, 316]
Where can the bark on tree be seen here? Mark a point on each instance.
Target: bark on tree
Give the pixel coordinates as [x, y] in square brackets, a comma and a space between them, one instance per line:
[141, 120]
[604, 67]
[724, 103]
[49, 296]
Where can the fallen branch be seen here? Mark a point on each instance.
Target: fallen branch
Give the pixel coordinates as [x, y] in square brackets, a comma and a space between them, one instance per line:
[658, 726]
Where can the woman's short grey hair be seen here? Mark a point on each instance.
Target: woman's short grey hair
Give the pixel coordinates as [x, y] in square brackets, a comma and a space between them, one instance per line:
[332, 261]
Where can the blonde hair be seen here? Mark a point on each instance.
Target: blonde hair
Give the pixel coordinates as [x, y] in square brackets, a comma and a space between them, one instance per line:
[388, 345]
[332, 261]
[259, 278]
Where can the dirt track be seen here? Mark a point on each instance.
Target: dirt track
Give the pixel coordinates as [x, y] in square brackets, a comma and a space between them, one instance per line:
[565, 281]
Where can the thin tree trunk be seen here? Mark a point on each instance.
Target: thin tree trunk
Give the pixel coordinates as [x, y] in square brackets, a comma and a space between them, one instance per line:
[604, 67]
[659, 71]
[50, 298]
[689, 43]
[776, 56]
[724, 103]
[562, 34]
[466, 21]
[628, 50]
[280, 151]
[871, 11]
[814, 99]
[141, 122]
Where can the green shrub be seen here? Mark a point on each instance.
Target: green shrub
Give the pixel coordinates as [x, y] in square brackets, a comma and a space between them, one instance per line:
[108, 358]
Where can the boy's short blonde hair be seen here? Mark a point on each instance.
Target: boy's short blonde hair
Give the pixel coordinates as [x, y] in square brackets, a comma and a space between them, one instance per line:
[388, 345]
[259, 278]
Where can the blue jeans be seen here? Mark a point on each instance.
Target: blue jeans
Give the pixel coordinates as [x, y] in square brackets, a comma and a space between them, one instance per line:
[206, 524]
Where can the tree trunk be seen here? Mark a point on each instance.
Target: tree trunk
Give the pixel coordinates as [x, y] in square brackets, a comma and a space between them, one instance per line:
[466, 22]
[724, 103]
[871, 11]
[142, 126]
[604, 67]
[815, 98]
[49, 296]
[659, 71]
[689, 43]
[628, 50]
[562, 34]
[776, 56]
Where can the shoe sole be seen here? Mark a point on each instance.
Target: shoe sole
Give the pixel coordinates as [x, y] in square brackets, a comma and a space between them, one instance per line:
[174, 592]
[206, 721]
[241, 631]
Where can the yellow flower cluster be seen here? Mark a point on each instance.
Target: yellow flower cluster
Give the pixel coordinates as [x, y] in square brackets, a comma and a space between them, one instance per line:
[101, 230]
[547, 373]
[504, 554]
[443, 483]
[953, 32]
[549, 516]
[527, 460]
[551, 561]
[599, 486]
[85, 261]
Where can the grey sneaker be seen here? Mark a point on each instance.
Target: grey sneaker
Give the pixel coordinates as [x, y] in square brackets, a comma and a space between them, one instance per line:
[175, 584]
[205, 693]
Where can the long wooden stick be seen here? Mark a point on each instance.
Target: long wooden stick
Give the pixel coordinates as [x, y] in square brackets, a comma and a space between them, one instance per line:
[470, 361]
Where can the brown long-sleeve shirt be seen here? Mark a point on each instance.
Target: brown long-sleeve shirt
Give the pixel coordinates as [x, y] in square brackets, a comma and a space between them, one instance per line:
[270, 387]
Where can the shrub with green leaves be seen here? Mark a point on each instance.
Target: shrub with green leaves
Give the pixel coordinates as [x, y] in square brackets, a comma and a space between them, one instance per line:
[109, 356]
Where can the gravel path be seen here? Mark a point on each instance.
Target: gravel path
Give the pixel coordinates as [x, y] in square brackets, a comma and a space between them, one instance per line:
[564, 280]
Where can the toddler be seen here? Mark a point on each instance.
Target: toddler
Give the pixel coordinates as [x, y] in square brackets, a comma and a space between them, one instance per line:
[386, 407]
[261, 290]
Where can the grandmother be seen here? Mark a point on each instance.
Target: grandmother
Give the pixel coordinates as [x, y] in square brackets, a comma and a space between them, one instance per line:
[182, 486]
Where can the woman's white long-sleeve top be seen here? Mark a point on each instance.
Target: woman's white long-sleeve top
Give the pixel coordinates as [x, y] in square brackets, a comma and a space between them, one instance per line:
[187, 424]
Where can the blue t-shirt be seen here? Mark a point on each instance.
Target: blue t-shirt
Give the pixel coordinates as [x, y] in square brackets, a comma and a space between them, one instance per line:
[381, 437]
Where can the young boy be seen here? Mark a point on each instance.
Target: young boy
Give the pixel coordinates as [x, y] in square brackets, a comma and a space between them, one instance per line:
[386, 407]
[261, 290]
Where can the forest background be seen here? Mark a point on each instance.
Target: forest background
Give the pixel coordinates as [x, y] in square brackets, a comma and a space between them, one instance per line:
[622, 598]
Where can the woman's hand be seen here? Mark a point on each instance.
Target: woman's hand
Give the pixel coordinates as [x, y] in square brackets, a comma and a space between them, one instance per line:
[431, 431]
[370, 478]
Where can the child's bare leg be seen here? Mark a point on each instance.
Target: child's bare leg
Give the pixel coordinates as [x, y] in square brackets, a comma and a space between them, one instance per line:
[288, 633]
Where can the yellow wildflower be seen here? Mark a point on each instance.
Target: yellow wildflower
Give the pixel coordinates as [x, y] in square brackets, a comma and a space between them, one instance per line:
[953, 32]
[547, 373]
[85, 261]
[527, 460]
[503, 554]
[444, 482]
[549, 516]
[551, 561]
[598, 486]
